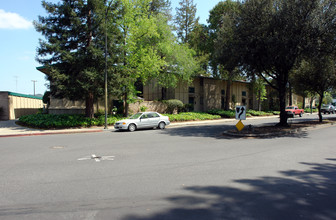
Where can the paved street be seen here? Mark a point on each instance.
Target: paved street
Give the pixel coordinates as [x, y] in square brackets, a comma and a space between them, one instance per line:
[182, 172]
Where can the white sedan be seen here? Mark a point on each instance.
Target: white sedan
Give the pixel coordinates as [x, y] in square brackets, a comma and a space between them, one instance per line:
[143, 120]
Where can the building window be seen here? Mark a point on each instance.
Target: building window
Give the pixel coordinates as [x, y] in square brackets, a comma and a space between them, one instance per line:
[191, 89]
[243, 93]
[201, 82]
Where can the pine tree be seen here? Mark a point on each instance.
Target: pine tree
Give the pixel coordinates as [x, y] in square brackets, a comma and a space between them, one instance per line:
[185, 19]
[73, 49]
[161, 7]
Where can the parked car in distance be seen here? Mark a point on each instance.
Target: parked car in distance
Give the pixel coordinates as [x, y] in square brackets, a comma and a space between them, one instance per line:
[143, 120]
[328, 109]
[294, 110]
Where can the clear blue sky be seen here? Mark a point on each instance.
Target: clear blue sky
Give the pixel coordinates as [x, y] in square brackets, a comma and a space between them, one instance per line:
[19, 40]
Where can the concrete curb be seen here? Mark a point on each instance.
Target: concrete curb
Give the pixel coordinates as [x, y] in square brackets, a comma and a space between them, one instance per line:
[32, 133]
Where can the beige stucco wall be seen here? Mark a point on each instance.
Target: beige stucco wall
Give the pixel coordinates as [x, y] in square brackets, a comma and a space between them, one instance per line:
[20, 106]
[155, 106]
[16, 106]
[211, 93]
[4, 105]
[65, 106]
[207, 95]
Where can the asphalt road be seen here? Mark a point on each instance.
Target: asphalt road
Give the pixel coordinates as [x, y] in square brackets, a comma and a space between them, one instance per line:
[190, 172]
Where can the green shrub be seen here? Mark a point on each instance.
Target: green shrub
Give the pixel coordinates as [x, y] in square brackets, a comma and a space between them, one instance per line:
[308, 110]
[223, 113]
[143, 108]
[191, 116]
[259, 113]
[47, 121]
[173, 105]
[275, 112]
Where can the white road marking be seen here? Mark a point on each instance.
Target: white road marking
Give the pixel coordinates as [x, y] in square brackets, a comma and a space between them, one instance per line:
[97, 158]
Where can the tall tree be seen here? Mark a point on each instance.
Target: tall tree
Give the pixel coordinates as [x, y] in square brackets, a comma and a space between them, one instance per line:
[150, 49]
[225, 56]
[73, 49]
[185, 19]
[161, 7]
[317, 75]
[275, 34]
[199, 42]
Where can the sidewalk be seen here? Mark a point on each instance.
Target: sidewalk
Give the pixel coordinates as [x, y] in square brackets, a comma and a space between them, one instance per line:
[11, 129]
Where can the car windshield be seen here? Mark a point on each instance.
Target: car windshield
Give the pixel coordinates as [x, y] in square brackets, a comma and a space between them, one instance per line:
[290, 107]
[325, 105]
[135, 116]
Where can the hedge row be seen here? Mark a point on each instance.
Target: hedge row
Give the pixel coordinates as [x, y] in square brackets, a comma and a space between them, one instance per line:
[49, 121]
[249, 113]
[191, 116]
[46, 121]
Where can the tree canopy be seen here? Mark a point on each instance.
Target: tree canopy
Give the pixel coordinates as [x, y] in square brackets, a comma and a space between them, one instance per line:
[276, 34]
[141, 46]
[73, 49]
[185, 19]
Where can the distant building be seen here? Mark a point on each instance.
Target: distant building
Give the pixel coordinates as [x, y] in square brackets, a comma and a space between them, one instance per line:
[202, 94]
[14, 105]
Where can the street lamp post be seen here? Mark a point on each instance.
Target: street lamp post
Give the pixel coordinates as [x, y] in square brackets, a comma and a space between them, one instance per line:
[105, 127]
[105, 78]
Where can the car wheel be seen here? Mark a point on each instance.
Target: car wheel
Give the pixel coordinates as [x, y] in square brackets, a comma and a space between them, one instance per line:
[300, 114]
[162, 125]
[132, 127]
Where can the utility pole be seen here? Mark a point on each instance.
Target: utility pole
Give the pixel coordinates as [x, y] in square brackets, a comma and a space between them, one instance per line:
[105, 52]
[105, 76]
[34, 81]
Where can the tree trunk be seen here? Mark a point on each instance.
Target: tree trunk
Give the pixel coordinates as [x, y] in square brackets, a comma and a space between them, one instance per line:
[125, 105]
[228, 94]
[282, 102]
[304, 101]
[89, 111]
[319, 108]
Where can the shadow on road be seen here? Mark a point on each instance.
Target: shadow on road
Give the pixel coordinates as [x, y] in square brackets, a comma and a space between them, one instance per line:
[217, 131]
[309, 194]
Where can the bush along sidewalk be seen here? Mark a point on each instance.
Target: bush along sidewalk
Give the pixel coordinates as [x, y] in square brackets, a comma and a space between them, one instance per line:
[191, 116]
[249, 113]
[49, 121]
